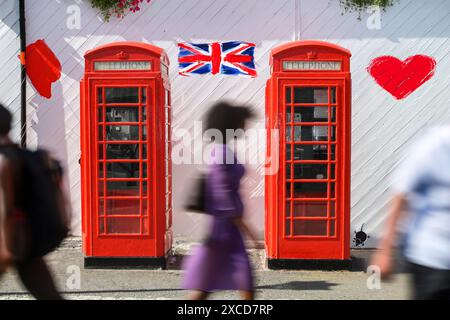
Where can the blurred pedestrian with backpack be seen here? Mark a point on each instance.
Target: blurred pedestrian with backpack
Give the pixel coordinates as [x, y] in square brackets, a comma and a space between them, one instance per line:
[33, 212]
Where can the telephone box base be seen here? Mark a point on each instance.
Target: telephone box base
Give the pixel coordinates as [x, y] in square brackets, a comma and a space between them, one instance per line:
[125, 263]
[309, 264]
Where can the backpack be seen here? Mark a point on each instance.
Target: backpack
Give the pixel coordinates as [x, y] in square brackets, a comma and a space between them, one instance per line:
[40, 199]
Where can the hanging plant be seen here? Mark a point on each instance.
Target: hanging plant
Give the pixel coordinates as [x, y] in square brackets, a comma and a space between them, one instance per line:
[363, 5]
[118, 8]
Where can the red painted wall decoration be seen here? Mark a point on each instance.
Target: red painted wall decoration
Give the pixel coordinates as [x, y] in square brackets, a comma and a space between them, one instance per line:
[43, 67]
[401, 78]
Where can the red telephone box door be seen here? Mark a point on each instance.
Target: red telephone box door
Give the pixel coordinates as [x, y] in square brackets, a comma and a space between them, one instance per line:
[122, 115]
[311, 220]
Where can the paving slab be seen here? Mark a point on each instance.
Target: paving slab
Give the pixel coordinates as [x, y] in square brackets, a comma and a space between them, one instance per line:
[76, 282]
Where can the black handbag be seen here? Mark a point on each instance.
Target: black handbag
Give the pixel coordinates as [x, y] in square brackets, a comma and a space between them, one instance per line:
[196, 199]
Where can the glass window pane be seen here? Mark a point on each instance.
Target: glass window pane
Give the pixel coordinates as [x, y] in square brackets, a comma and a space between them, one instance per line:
[123, 226]
[100, 133]
[333, 152]
[167, 140]
[101, 173]
[167, 201]
[332, 228]
[308, 133]
[332, 209]
[122, 133]
[297, 152]
[310, 209]
[122, 114]
[144, 95]
[288, 209]
[288, 190]
[288, 152]
[320, 133]
[100, 114]
[101, 188]
[311, 114]
[168, 98]
[288, 114]
[288, 94]
[120, 206]
[310, 171]
[333, 133]
[101, 225]
[333, 190]
[310, 190]
[99, 95]
[311, 152]
[144, 132]
[144, 114]
[288, 171]
[144, 188]
[145, 207]
[122, 170]
[310, 227]
[122, 189]
[100, 151]
[145, 225]
[168, 218]
[144, 151]
[288, 133]
[122, 95]
[144, 170]
[311, 133]
[168, 117]
[333, 171]
[122, 151]
[101, 206]
[333, 114]
[311, 95]
[287, 227]
[301, 133]
[333, 95]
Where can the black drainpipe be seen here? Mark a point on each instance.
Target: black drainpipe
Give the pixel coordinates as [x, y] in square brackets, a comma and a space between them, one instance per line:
[23, 76]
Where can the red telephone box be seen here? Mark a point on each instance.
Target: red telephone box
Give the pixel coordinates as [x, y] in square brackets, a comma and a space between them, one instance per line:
[308, 199]
[125, 156]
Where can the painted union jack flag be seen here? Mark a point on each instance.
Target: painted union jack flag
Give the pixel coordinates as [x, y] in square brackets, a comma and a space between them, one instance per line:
[232, 58]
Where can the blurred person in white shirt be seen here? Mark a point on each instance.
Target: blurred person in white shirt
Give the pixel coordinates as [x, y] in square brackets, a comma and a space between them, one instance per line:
[422, 201]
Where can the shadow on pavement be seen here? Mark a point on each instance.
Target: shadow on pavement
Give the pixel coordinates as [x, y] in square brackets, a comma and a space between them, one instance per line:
[96, 291]
[300, 285]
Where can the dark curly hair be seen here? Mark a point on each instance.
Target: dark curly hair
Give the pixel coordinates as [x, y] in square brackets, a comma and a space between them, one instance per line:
[5, 120]
[224, 116]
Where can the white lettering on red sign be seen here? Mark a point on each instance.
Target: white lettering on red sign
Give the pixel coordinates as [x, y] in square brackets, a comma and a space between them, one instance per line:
[122, 65]
[312, 65]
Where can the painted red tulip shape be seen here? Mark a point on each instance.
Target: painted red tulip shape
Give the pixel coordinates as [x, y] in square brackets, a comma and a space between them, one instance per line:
[43, 67]
[401, 78]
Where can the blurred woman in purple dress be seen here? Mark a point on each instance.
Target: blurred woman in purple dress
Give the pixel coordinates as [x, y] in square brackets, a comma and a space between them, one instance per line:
[221, 262]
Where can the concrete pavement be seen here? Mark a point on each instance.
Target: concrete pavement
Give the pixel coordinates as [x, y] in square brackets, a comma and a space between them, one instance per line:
[96, 284]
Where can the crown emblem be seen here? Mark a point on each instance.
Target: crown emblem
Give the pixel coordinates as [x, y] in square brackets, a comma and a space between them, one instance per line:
[122, 55]
[311, 55]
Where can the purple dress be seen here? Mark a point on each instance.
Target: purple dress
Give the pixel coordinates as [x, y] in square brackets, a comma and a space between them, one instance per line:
[221, 262]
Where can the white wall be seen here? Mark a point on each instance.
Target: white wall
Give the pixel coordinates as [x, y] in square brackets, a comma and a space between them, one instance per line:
[9, 63]
[382, 126]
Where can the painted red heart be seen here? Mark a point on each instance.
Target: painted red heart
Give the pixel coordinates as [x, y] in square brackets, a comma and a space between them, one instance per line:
[401, 78]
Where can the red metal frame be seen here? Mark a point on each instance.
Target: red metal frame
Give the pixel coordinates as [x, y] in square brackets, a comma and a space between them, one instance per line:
[153, 237]
[281, 241]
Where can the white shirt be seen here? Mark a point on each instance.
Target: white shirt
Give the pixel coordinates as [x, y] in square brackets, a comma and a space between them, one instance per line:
[424, 177]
